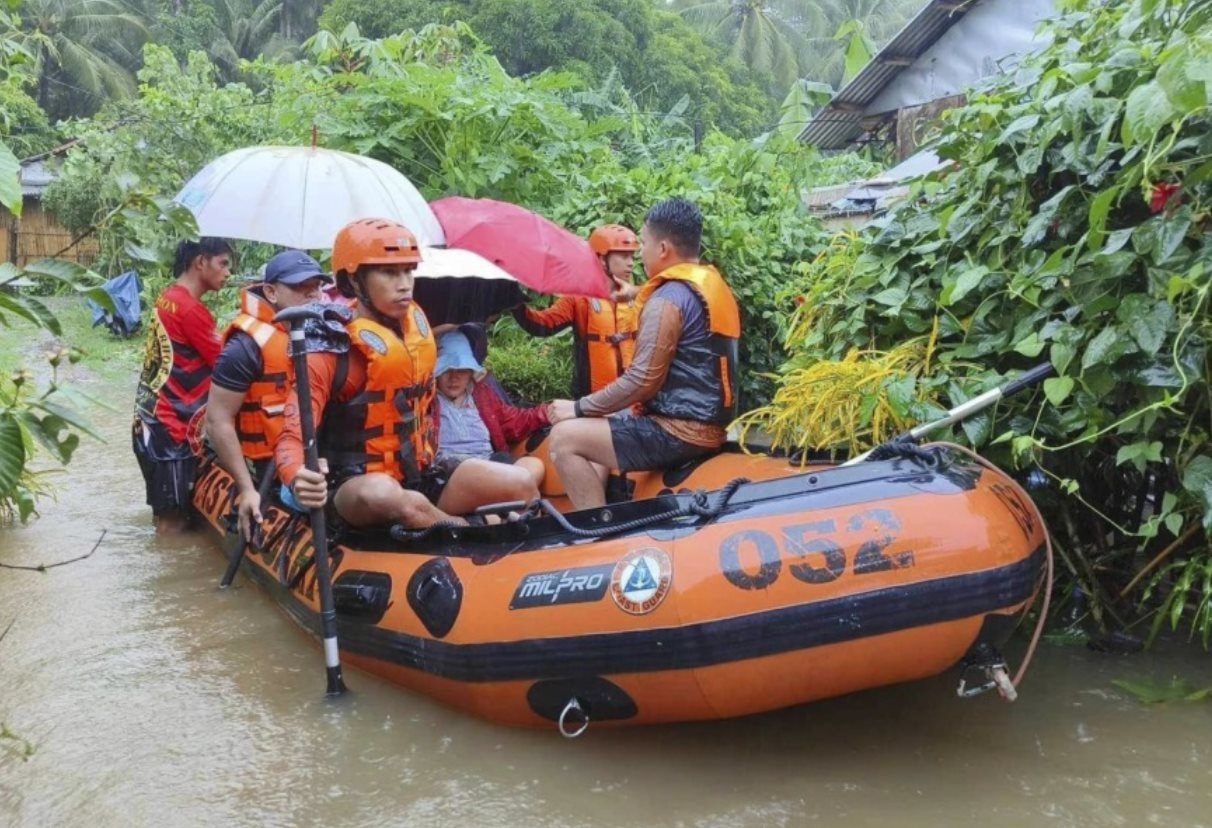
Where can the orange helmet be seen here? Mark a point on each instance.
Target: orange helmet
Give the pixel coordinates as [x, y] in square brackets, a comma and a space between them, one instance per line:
[611, 237]
[371, 242]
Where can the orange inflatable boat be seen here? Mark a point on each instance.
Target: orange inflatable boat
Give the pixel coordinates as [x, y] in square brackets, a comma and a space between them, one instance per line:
[699, 597]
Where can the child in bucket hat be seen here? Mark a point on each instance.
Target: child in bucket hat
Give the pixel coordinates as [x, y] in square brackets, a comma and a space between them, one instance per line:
[474, 420]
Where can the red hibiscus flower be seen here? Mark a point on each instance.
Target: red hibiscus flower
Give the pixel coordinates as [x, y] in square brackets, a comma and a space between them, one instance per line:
[1161, 195]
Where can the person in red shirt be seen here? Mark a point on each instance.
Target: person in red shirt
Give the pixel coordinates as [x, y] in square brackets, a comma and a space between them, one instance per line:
[181, 348]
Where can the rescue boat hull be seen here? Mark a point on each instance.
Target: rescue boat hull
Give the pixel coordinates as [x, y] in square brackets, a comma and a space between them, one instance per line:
[802, 586]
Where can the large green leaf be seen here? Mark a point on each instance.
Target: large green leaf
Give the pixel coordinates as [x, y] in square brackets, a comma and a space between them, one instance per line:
[1179, 78]
[12, 453]
[1104, 348]
[1147, 319]
[10, 180]
[43, 315]
[1148, 110]
[1197, 479]
[1099, 208]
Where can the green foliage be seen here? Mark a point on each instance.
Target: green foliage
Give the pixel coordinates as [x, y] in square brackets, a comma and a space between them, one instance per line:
[1071, 226]
[37, 413]
[657, 56]
[534, 370]
[380, 18]
[133, 159]
[184, 26]
[23, 124]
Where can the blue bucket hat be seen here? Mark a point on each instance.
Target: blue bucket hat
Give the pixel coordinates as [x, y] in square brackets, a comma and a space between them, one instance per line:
[293, 267]
[454, 354]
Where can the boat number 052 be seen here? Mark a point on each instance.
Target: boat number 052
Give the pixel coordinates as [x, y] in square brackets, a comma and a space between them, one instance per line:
[814, 551]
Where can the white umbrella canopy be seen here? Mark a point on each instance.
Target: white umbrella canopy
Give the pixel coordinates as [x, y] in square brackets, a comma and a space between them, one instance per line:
[301, 196]
[448, 263]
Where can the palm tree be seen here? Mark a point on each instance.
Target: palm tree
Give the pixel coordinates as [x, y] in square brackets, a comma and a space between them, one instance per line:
[244, 33]
[792, 39]
[767, 35]
[298, 18]
[88, 46]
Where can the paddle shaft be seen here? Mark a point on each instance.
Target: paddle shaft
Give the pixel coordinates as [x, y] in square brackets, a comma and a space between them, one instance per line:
[319, 531]
[233, 565]
[966, 409]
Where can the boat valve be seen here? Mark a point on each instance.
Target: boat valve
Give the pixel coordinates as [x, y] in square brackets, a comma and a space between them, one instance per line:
[573, 719]
[989, 676]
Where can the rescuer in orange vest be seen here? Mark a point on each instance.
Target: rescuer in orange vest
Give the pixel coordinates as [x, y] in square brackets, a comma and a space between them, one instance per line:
[684, 373]
[603, 330]
[376, 428]
[252, 377]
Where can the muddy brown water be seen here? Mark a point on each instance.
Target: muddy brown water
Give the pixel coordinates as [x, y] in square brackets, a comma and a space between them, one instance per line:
[152, 698]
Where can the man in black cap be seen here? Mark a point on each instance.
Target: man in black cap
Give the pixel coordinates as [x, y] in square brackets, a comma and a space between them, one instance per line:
[253, 375]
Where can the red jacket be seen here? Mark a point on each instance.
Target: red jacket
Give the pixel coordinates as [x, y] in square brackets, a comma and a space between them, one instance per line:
[506, 423]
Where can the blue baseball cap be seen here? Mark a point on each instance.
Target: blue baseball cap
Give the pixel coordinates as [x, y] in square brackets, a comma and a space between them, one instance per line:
[293, 267]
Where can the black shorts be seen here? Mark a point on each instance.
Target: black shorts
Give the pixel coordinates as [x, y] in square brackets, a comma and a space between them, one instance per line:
[640, 444]
[169, 468]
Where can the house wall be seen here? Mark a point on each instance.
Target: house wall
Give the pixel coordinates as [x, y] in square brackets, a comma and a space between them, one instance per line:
[986, 42]
[36, 234]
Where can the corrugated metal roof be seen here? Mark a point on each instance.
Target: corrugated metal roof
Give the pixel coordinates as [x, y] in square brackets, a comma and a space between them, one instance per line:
[35, 178]
[835, 124]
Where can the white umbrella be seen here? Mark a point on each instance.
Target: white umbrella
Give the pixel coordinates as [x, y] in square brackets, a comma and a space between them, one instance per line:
[301, 196]
[444, 263]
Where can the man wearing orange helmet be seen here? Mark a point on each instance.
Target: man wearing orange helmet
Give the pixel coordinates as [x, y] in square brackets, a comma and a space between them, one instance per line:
[374, 426]
[603, 331]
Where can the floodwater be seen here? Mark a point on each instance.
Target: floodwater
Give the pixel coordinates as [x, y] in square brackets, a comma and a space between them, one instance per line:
[150, 697]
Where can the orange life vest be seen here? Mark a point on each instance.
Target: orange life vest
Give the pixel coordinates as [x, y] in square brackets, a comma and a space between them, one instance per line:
[609, 331]
[387, 426]
[260, 419]
[702, 380]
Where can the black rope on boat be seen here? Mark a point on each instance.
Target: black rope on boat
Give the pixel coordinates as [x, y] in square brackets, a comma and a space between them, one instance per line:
[403, 534]
[902, 449]
[700, 505]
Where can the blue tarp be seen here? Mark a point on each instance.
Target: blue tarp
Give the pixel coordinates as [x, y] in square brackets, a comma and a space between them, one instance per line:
[124, 291]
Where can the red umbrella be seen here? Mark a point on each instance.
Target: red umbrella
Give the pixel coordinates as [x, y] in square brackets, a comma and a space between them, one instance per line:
[538, 253]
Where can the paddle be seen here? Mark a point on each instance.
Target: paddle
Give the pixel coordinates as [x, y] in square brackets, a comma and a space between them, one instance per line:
[966, 409]
[233, 565]
[296, 317]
